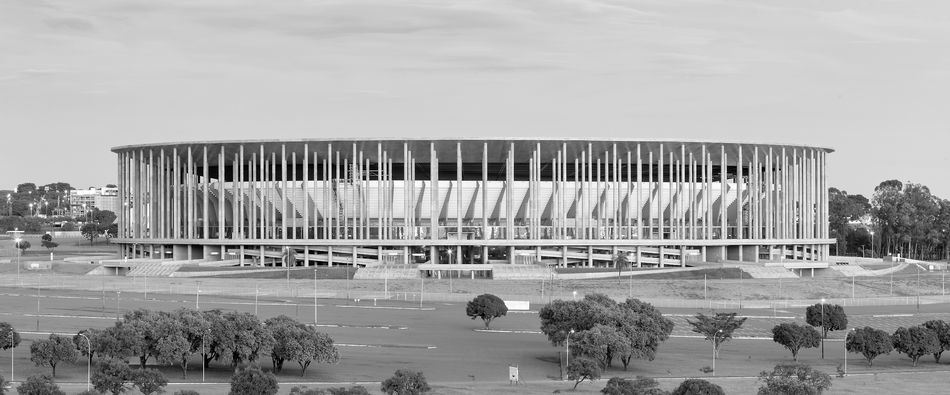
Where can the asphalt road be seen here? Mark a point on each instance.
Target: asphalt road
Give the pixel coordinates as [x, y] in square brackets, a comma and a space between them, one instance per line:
[377, 338]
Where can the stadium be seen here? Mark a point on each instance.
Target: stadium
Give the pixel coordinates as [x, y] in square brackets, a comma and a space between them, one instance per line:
[557, 202]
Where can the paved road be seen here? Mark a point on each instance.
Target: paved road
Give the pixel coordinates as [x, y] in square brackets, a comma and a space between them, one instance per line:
[437, 339]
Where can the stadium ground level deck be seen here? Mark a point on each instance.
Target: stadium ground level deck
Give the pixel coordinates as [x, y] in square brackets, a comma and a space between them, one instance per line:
[560, 202]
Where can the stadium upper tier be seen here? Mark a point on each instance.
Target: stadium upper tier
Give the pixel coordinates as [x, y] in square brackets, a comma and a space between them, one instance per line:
[565, 201]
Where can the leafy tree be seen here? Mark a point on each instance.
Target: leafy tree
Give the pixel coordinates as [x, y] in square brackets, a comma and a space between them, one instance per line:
[315, 347]
[90, 231]
[141, 329]
[581, 369]
[833, 315]
[287, 335]
[717, 329]
[600, 343]
[103, 217]
[186, 392]
[405, 382]
[215, 336]
[916, 342]
[39, 385]
[487, 307]
[640, 386]
[842, 209]
[641, 326]
[644, 327]
[697, 387]
[112, 230]
[172, 346]
[940, 328]
[794, 379]
[9, 338]
[22, 245]
[149, 381]
[253, 381]
[48, 243]
[112, 376]
[869, 342]
[52, 351]
[621, 261]
[244, 337]
[794, 337]
[355, 390]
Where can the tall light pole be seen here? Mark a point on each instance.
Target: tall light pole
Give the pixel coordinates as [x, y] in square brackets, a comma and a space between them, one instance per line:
[823, 328]
[715, 339]
[31, 209]
[18, 252]
[89, 351]
[567, 351]
[314, 298]
[872, 244]
[257, 289]
[197, 293]
[9, 208]
[11, 355]
[918, 286]
[118, 297]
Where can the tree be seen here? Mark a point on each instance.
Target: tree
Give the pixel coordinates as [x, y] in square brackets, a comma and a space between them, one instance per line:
[640, 386]
[581, 369]
[112, 376]
[186, 392]
[916, 342]
[405, 382]
[315, 347]
[487, 307]
[794, 379]
[103, 217]
[644, 327]
[141, 329]
[355, 390]
[172, 346]
[600, 343]
[112, 230]
[794, 337]
[830, 317]
[52, 351]
[869, 342]
[39, 385]
[717, 329]
[842, 209]
[253, 381]
[621, 261]
[287, 336]
[48, 243]
[697, 387]
[942, 330]
[90, 231]
[149, 381]
[242, 337]
[22, 245]
[9, 338]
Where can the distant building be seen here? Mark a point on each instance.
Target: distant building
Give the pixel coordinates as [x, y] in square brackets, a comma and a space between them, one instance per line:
[82, 201]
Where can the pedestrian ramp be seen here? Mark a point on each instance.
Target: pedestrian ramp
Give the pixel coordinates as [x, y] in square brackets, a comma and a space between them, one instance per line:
[522, 272]
[154, 269]
[852, 271]
[755, 271]
[392, 272]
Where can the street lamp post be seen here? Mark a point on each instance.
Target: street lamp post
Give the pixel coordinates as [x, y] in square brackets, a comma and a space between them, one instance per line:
[257, 289]
[118, 297]
[872, 244]
[197, 293]
[11, 355]
[314, 298]
[823, 326]
[918, 286]
[715, 339]
[89, 352]
[567, 351]
[18, 252]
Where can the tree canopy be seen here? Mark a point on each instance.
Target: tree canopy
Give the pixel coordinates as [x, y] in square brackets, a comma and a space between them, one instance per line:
[794, 337]
[916, 342]
[50, 352]
[869, 342]
[717, 329]
[794, 379]
[405, 382]
[487, 307]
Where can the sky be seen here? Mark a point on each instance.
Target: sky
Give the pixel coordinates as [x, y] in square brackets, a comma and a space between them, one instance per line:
[868, 78]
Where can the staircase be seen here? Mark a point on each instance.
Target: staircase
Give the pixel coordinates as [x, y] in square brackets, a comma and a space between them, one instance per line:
[154, 269]
[767, 271]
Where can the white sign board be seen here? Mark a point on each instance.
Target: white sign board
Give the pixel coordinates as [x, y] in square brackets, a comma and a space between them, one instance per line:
[518, 304]
[513, 373]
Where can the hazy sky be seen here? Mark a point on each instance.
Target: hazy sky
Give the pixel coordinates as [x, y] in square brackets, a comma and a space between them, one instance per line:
[868, 78]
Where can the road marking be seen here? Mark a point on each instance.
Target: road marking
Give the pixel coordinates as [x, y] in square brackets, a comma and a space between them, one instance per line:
[892, 315]
[508, 331]
[427, 347]
[386, 307]
[59, 316]
[734, 337]
[360, 326]
[779, 317]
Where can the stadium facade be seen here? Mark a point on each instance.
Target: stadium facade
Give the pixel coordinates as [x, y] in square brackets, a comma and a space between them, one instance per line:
[568, 202]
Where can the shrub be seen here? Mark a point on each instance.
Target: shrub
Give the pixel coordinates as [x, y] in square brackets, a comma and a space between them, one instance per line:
[405, 382]
[697, 387]
[640, 386]
[794, 379]
[39, 385]
[253, 381]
